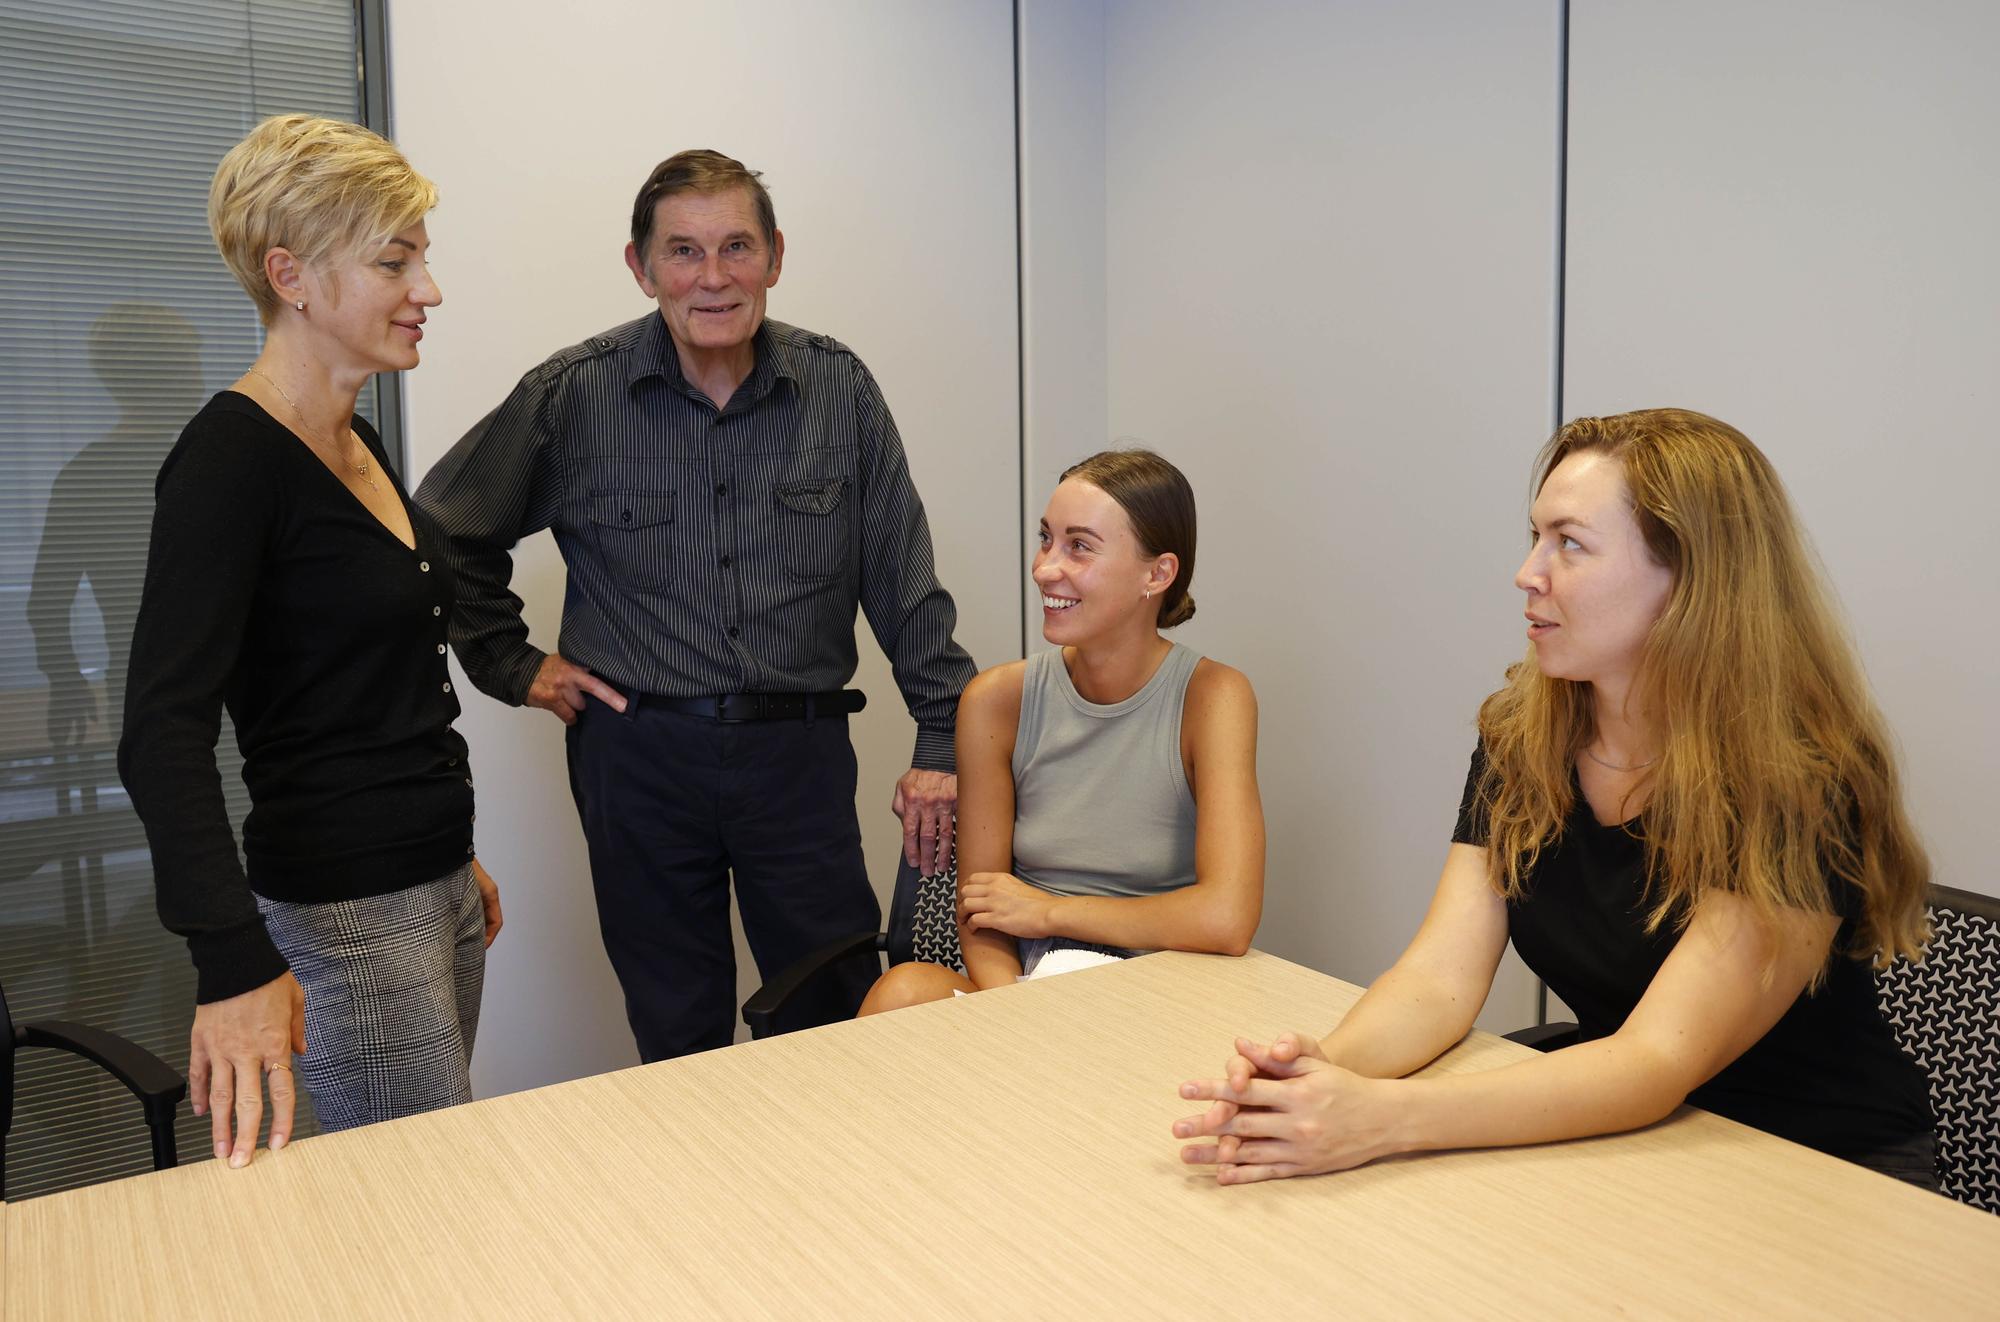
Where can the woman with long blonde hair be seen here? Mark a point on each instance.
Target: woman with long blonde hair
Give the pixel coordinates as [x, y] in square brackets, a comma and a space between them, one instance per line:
[1683, 810]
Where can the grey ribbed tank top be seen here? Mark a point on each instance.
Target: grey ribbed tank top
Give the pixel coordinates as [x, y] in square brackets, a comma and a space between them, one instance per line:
[1101, 800]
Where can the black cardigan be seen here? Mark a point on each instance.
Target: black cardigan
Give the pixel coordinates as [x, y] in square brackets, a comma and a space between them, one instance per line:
[272, 591]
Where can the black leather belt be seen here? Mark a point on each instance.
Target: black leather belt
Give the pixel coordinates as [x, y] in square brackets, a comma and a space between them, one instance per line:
[733, 707]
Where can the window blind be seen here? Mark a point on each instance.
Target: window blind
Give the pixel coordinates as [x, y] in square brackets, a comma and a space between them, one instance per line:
[117, 319]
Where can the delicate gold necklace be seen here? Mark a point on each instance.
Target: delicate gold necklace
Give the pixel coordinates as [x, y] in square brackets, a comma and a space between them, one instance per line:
[1613, 766]
[360, 468]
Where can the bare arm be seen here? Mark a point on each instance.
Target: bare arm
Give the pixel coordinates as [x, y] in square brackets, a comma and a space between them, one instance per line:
[1710, 1002]
[988, 715]
[1428, 998]
[1424, 1003]
[1217, 914]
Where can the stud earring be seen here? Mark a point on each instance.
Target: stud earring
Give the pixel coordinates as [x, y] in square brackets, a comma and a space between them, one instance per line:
[300, 305]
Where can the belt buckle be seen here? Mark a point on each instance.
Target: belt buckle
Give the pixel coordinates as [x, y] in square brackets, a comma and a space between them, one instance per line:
[722, 702]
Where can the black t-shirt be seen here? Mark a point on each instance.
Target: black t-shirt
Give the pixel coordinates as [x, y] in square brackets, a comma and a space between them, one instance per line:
[272, 591]
[1829, 1074]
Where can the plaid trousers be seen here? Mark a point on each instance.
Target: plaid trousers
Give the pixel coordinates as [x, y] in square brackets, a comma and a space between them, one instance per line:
[392, 988]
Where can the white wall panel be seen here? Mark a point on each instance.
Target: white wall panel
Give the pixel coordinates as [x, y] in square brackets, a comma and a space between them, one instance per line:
[1063, 253]
[1782, 214]
[885, 131]
[1331, 237]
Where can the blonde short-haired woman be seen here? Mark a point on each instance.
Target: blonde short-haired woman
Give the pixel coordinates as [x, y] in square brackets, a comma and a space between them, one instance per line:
[1683, 810]
[290, 581]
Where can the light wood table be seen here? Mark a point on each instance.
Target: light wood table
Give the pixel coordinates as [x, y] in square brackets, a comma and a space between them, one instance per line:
[1005, 1155]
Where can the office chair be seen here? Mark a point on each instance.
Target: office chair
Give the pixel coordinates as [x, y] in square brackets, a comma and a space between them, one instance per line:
[1944, 1011]
[923, 924]
[149, 1078]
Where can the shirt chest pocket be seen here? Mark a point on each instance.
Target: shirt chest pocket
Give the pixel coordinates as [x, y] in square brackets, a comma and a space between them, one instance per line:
[634, 536]
[813, 520]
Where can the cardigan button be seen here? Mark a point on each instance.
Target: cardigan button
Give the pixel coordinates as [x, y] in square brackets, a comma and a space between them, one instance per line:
[437, 610]
[447, 686]
[424, 565]
[440, 649]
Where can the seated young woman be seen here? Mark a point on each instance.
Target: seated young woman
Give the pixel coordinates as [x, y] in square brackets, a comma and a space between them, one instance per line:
[1684, 811]
[1108, 789]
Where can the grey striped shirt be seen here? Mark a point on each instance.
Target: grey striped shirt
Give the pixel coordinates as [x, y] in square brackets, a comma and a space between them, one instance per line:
[709, 551]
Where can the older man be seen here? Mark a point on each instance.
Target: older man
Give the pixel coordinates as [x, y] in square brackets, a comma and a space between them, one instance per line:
[725, 490]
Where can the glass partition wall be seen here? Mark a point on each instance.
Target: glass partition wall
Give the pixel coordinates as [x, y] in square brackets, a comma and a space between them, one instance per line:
[117, 319]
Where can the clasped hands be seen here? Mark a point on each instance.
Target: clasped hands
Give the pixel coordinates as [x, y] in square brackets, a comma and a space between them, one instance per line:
[1281, 1110]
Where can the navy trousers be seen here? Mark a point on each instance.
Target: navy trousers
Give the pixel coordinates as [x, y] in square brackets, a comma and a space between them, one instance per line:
[672, 806]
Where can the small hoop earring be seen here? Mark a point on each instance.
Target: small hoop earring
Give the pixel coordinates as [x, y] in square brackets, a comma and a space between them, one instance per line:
[1149, 595]
[300, 305]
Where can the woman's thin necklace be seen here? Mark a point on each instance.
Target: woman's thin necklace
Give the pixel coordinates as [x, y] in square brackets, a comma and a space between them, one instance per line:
[1613, 766]
[360, 468]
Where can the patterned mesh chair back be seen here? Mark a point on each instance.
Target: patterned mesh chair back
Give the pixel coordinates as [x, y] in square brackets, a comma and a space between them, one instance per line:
[1944, 1010]
[923, 917]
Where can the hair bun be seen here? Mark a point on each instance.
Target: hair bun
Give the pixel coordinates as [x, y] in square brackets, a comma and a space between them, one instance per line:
[1181, 612]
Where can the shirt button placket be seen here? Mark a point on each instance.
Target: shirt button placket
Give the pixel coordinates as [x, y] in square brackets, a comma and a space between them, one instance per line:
[725, 530]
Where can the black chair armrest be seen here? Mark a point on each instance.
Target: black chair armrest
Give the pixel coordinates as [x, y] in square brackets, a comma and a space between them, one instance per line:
[145, 1074]
[1546, 1037]
[768, 1001]
[150, 1079]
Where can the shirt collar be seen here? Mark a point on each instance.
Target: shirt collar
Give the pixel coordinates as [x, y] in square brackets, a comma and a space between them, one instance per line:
[655, 355]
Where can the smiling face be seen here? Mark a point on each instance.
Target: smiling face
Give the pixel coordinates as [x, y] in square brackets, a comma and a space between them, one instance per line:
[1594, 588]
[367, 312]
[1092, 573]
[709, 267]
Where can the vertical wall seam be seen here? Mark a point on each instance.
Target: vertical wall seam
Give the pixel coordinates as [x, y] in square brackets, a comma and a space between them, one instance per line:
[1562, 206]
[1561, 292]
[1020, 352]
[371, 94]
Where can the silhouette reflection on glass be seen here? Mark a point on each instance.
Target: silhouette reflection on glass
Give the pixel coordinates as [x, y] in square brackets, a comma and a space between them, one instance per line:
[148, 359]
[77, 922]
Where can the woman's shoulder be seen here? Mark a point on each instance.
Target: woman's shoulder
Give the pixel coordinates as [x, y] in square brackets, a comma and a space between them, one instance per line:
[1213, 682]
[995, 691]
[1220, 709]
[228, 445]
[989, 715]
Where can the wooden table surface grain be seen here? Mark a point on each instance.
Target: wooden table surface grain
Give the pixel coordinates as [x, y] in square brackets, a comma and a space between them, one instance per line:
[1004, 1155]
